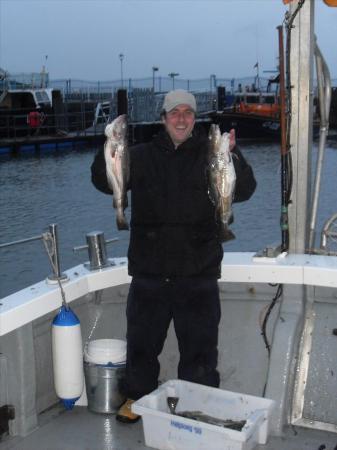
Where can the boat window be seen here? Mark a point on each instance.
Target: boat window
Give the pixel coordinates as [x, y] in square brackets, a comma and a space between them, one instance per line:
[42, 97]
[253, 99]
[270, 100]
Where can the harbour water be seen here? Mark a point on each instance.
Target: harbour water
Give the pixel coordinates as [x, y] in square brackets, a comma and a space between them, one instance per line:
[55, 187]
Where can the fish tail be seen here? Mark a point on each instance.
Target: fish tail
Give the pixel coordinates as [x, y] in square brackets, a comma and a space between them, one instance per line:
[122, 223]
[226, 234]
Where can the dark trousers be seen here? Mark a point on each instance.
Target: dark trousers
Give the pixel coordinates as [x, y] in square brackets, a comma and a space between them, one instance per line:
[194, 306]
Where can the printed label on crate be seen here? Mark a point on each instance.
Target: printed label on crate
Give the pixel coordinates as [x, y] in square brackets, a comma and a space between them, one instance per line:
[186, 427]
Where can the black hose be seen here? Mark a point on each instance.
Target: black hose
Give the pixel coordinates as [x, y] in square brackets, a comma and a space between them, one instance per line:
[266, 317]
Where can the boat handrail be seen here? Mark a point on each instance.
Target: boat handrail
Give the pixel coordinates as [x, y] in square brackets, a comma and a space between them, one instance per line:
[102, 111]
[324, 95]
[327, 232]
[50, 241]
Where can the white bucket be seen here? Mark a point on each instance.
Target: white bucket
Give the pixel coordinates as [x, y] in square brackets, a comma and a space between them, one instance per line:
[105, 351]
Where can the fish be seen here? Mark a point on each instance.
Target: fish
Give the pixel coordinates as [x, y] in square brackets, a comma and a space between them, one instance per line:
[221, 179]
[200, 416]
[117, 161]
[172, 403]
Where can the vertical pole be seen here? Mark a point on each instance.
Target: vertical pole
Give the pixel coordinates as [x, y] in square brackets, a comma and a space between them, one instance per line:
[56, 275]
[284, 150]
[301, 92]
[286, 339]
[122, 102]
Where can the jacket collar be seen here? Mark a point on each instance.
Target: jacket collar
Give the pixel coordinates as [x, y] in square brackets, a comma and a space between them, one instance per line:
[163, 141]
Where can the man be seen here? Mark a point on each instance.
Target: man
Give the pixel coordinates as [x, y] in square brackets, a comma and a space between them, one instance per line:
[35, 121]
[175, 251]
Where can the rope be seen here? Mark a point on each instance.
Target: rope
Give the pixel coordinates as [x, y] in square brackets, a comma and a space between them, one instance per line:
[50, 249]
[99, 311]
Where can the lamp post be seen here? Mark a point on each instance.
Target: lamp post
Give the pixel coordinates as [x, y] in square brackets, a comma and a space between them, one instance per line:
[121, 57]
[213, 82]
[213, 94]
[173, 75]
[44, 73]
[154, 70]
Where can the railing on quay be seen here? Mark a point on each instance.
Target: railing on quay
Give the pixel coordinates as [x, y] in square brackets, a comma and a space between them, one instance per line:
[68, 124]
[90, 119]
[89, 114]
[158, 84]
[144, 105]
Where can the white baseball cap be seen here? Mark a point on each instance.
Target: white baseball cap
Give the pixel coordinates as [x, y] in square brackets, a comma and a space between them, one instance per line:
[179, 97]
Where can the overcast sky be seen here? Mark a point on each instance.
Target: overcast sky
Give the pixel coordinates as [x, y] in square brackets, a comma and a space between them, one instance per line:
[195, 38]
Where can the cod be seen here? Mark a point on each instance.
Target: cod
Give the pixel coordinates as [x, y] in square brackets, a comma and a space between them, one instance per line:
[222, 178]
[116, 154]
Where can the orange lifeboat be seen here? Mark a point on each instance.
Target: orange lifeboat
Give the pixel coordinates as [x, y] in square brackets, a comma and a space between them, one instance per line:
[261, 109]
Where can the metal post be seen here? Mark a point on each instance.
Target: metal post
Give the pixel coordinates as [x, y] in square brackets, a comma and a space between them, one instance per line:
[212, 82]
[301, 63]
[172, 75]
[324, 96]
[154, 70]
[286, 340]
[96, 245]
[55, 255]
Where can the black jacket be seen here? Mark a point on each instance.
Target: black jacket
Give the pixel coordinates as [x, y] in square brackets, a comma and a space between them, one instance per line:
[173, 228]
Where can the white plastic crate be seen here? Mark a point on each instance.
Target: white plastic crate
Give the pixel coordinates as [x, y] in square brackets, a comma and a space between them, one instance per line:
[165, 431]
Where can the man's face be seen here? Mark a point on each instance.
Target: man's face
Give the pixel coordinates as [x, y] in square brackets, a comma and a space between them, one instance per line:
[179, 123]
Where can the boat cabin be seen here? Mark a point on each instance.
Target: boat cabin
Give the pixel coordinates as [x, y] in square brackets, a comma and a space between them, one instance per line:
[29, 98]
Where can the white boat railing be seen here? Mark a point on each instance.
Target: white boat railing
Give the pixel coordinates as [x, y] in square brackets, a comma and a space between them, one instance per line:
[39, 299]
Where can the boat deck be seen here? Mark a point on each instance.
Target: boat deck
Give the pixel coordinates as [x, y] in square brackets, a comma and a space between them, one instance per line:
[80, 429]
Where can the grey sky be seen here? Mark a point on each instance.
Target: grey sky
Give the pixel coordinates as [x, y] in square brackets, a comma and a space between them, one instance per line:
[195, 38]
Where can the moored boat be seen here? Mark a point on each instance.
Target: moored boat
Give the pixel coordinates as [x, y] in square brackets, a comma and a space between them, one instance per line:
[253, 114]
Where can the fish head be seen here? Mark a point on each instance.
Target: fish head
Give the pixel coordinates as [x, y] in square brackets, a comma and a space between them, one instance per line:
[117, 129]
[224, 145]
[214, 137]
